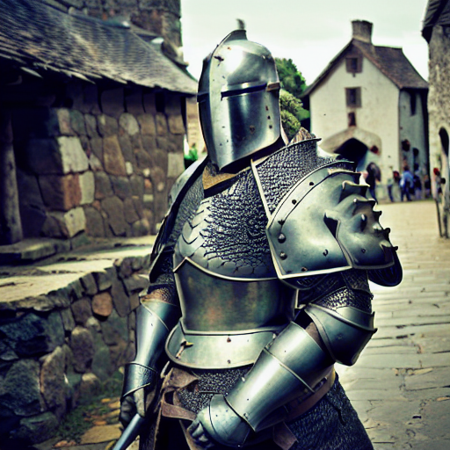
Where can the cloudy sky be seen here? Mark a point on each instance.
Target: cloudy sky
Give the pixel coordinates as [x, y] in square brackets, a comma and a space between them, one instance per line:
[309, 32]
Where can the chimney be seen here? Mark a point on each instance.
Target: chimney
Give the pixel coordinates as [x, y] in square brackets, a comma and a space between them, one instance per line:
[362, 30]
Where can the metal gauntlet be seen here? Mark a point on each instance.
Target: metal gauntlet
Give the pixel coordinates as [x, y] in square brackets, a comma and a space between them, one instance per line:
[154, 320]
[292, 364]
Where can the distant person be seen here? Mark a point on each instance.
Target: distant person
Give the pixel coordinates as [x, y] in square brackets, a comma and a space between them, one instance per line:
[373, 176]
[417, 182]
[392, 183]
[406, 184]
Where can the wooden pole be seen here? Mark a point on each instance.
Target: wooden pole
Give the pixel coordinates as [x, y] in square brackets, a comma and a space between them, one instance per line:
[10, 223]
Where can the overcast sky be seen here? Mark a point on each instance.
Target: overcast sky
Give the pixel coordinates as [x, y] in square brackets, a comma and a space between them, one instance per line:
[309, 32]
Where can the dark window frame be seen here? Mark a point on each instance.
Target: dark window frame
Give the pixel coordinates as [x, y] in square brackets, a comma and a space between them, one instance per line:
[353, 64]
[353, 97]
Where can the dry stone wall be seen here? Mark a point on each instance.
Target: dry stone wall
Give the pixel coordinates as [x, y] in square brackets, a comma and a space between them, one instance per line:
[102, 162]
[66, 331]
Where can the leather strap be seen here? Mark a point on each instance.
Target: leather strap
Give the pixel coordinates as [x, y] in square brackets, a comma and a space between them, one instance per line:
[296, 408]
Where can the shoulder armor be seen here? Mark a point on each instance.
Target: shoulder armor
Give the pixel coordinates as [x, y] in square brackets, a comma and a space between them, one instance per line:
[177, 193]
[325, 224]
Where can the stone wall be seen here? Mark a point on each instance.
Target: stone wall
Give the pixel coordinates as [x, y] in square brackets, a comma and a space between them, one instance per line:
[439, 92]
[100, 161]
[67, 330]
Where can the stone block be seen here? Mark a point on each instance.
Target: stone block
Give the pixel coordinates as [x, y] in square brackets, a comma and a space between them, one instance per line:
[104, 279]
[96, 146]
[121, 187]
[20, 391]
[127, 148]
[113, 207]
[129, 124]
[120, 298]
[94, 163]
[103, 186]
[82, 345]
[73, 158]
[175, 164]
[90, 386]
[150, 145]
[147, 123]
[102, 304]
[135, 283]
[107, 125]
[67, 319]
[77, 122]
[142, 227]
[113, 159]
[81, 310]
[115, 329]
[176, 124]
[138, 205]
[60, 192]
[87, 187]
[64, 225]
[130, 213]
[95, 226]
[112, 102]
[161, 124]
[33, 334]
[91, 125]
[143, 159]
[158, 177]
[89, 284]
[129, 168]
[52, 379]
[35, 429]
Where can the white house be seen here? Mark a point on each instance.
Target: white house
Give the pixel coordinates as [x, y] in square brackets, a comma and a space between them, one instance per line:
[369, 104]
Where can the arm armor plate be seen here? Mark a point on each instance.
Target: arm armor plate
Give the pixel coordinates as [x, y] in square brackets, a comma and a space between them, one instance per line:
[154, 320]
[291, 365]
[344, 331]
[326, 224]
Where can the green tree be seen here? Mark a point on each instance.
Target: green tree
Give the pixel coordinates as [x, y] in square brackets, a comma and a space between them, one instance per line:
[291, 79]
[292, 86]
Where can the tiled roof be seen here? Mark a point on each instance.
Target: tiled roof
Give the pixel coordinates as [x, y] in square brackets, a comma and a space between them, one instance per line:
[437, 13]
[391, 61]
[36, 36]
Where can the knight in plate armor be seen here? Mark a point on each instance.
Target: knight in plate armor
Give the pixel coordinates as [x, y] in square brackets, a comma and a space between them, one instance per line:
[259, 281]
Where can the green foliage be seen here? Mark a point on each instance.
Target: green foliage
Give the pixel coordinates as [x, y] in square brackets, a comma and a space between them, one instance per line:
[292, 113]
[290, 78]
[293, 85]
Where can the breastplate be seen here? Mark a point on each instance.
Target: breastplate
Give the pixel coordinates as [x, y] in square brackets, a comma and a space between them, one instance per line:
[230, 296]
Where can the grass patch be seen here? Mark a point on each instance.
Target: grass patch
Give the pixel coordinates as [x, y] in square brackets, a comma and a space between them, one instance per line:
[95, 409]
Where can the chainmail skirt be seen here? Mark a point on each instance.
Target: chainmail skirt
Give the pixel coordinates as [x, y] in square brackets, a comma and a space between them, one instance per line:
[332, 424]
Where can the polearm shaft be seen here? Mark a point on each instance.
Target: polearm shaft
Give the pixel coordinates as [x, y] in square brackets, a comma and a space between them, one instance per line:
[130, 433]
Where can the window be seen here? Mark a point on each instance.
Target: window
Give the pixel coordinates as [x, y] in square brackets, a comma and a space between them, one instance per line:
[353, 96]
[353, 64]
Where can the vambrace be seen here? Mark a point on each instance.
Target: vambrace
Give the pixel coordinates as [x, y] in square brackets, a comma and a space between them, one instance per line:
[154, 320]
[344, 331]
[290, 366]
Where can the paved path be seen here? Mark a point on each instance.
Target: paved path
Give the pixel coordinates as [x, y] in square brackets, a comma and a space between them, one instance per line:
[400, 385]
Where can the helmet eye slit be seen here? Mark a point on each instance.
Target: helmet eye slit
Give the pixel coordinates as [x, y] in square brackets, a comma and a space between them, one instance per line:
[244, 90]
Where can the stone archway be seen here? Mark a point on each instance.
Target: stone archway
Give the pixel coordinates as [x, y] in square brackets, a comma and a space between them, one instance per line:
[354, 150]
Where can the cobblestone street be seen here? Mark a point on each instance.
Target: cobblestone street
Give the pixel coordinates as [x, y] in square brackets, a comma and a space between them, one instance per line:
[400, 385]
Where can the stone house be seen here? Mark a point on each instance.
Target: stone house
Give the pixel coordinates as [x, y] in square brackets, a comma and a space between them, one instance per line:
[369, 104]
[436, 31]
[94, 97]
[93, 116]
